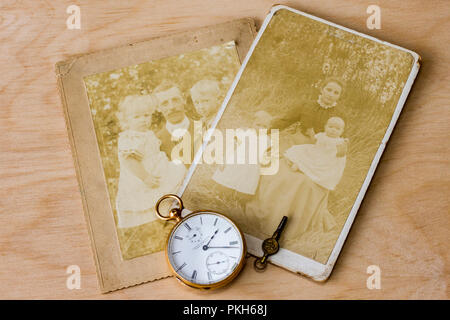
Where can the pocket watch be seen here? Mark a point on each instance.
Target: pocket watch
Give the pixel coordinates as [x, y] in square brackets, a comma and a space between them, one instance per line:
[205, 249]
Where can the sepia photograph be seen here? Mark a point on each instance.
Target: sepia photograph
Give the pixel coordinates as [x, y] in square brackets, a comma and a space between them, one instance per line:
[143, 115]
[331, 96]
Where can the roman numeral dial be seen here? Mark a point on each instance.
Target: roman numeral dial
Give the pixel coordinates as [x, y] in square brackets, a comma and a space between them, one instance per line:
[205, 248]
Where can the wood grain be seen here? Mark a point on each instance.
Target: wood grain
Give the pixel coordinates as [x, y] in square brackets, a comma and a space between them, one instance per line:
[403, 223]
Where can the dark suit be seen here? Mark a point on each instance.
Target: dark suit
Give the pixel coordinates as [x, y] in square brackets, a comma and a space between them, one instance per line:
[167, 143]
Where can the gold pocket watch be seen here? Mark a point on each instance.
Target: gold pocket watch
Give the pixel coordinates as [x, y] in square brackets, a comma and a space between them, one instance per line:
[205, 249]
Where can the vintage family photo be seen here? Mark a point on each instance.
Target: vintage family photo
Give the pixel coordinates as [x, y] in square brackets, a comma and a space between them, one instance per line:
[331, 95]
[141, 115]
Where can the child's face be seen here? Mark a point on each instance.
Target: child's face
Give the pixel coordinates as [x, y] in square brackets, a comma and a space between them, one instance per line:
[139, 117]
[171, 104]
[334, 129]
[205, 100]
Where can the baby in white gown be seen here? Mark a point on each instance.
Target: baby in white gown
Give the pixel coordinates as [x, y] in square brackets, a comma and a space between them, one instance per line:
[244, 176]
[146, 173]
[319, 161]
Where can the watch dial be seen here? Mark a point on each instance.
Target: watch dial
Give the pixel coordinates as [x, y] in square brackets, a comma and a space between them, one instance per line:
[205, 248]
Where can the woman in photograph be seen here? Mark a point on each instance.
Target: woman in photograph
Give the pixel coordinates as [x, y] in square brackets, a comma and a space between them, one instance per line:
[291, 192]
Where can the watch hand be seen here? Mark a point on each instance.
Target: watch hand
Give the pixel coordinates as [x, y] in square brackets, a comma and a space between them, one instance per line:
[203, 241]
[208, 264]
[200, 243]
[225, 247]
[205, 247]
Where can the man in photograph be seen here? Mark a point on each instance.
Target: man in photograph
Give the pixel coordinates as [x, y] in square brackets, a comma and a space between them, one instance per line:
[177, 134]
[206, 97]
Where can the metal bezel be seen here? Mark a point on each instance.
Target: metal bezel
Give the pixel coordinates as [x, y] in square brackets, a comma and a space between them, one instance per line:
[223, 282]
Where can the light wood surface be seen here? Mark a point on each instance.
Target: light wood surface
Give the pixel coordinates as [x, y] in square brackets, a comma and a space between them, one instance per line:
[402, 225]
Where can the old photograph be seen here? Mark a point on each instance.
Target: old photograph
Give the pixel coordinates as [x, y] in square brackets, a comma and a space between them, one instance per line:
[142, 114]
[331, 95]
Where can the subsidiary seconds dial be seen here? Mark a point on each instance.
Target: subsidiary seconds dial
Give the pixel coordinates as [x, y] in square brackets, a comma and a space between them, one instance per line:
[217, 262]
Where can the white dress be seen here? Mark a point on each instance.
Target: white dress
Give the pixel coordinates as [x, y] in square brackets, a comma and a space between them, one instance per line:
[319, 161]
[241, 177]
[135, 200]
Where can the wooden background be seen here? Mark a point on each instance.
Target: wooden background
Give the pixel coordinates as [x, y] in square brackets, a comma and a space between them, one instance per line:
[403, 223]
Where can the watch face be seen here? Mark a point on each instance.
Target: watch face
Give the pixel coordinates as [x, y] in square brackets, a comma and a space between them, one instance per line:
[205, 248]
